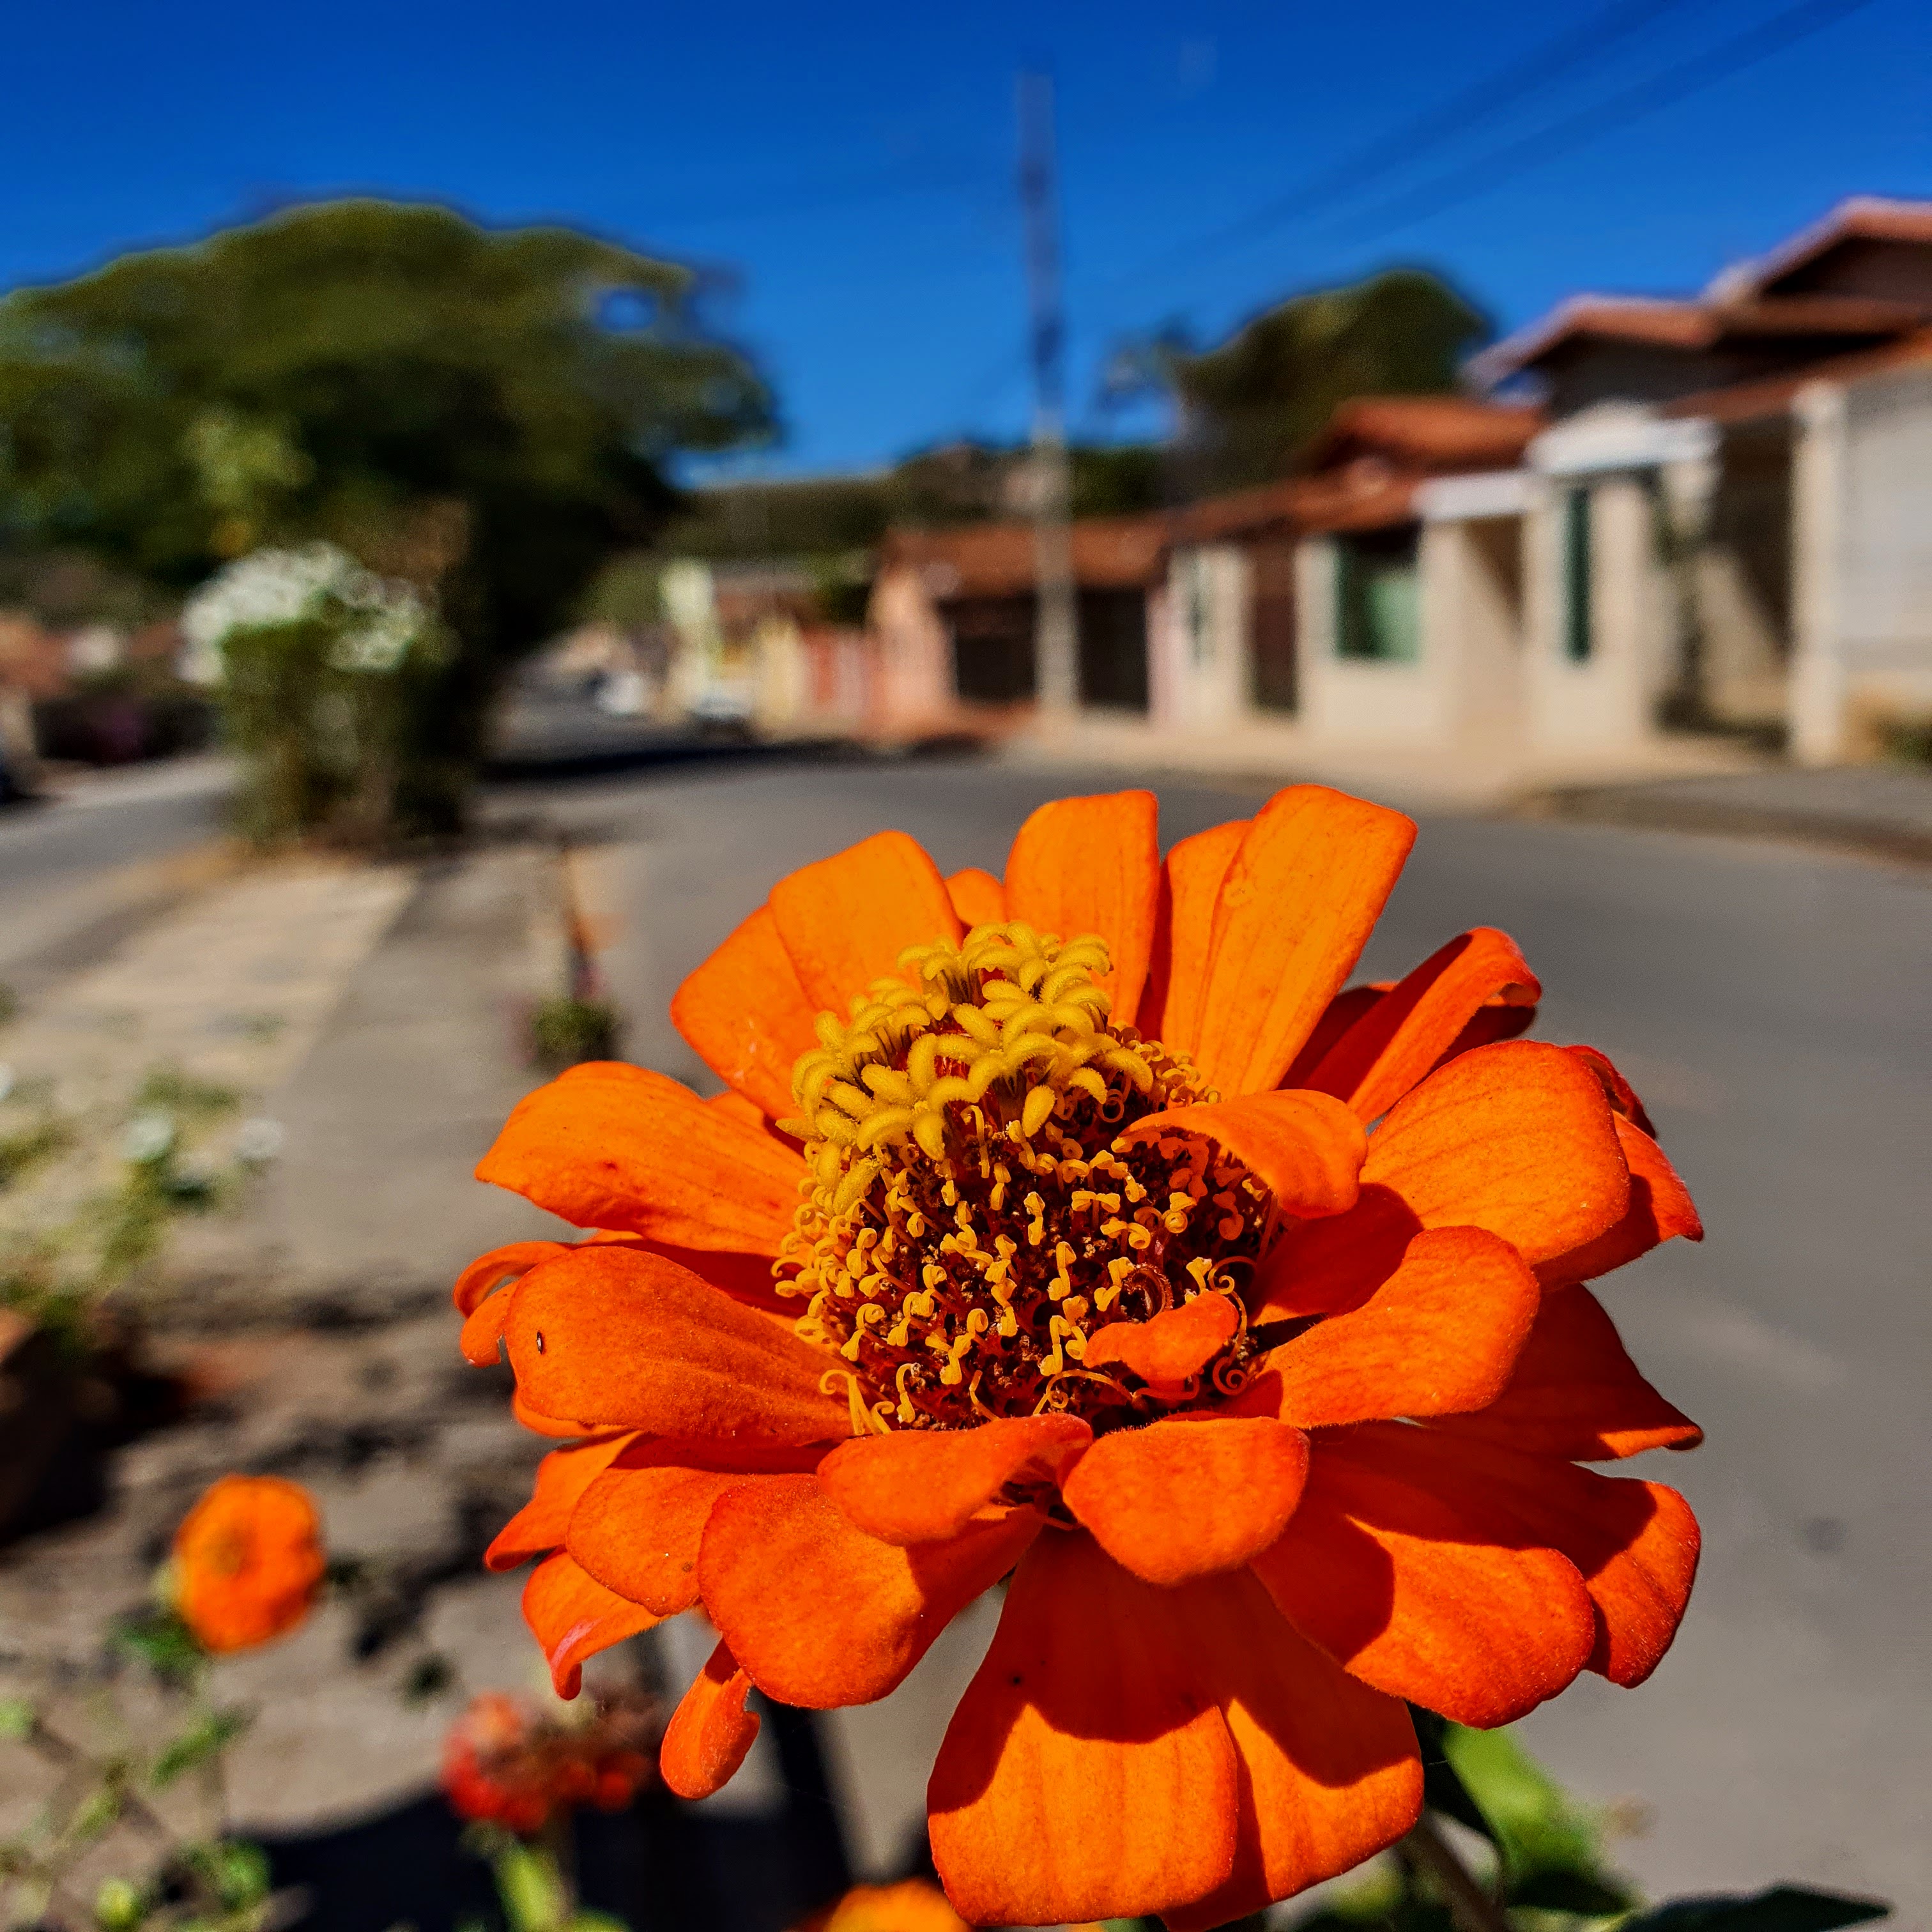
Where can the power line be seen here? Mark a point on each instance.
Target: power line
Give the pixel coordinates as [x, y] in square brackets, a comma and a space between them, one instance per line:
[1056, 623]
[1493, 170]
[1481, 101]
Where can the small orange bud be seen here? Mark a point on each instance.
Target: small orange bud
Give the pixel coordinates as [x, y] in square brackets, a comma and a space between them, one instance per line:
[248, 1561]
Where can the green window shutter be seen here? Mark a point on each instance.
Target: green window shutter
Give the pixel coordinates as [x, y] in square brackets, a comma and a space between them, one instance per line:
[1577, 638]
[1378, 597]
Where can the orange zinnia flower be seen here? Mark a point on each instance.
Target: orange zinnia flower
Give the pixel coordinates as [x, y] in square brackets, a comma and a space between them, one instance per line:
[1075, 1259]
[912, 1905]
[248, 1561]
[504, 1764]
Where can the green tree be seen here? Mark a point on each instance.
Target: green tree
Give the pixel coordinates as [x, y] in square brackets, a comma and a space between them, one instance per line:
[486, 413]
[1250, 407]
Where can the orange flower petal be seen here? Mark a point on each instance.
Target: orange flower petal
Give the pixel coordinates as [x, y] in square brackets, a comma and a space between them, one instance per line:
[921, 1486]
[481, 1341]
[745, 1014]
[1308, 1148]
[613, 1146]
[534, 1420]
[1170, 1349]
[1660, 1207]
[1394, 1044]
[1516, 1139]
[710, 1731]
[1184, 928]
[499, 1266]
[1621, 1094]
[1306, 885]
[1575, 1392]
[615, 1336]
[572, 1617]
[1341, 1013]
[1635, 1543]
[845, 920]
[1329, 1770]
[1442, 1335]
[1092, 865]
[562, 1477]
[1184, 1498]
[822, 1616]
[1439, 1599]
[1083, 1776]
[638, 1527]
[977, 897]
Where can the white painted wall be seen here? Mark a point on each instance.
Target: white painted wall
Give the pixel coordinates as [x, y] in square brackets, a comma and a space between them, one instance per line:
[1861, 536]
[1816, 720]
[1473, 623]
[1357, 701]
[1608, 702]
[1209, 601]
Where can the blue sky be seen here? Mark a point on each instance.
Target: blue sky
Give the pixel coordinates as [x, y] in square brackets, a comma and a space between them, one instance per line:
[851, 169]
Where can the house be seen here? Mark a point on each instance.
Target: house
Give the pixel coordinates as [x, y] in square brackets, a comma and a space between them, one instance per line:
[959, 603]
[1727, 522]
[1711, 514]
[1190, 618]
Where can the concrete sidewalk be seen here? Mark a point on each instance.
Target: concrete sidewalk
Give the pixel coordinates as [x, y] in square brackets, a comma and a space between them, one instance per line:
[1884, 810]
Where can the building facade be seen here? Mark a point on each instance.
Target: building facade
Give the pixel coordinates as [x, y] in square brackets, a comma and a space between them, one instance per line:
[1709, 515]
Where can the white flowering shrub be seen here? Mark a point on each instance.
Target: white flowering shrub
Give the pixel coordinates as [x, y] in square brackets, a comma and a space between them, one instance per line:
[316, 660]
[377, 620]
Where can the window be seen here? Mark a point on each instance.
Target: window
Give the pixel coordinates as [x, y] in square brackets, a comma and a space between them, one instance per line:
[1577, 628]
[1378, 599]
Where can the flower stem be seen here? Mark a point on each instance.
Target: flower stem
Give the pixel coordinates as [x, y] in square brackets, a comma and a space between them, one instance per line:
[1472, 1907]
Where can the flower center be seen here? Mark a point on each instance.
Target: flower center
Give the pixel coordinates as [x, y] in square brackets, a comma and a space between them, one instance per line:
[973, 1215]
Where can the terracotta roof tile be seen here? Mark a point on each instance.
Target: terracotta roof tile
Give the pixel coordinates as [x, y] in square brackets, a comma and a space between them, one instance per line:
[1745, 402]
[1435, 434]
[1863, 217]
[996, 559]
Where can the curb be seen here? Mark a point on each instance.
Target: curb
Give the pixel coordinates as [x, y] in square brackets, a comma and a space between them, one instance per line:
[1873, 838]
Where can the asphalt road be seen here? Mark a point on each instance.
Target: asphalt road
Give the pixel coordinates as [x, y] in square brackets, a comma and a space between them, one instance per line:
[76, 869]
[1769, 1003]
[1770, 1006]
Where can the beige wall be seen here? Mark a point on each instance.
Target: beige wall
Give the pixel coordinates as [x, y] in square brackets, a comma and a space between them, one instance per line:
[1472, 623]
[1609, 700]
[913, 688]
[1202, 673]
[1356, 702]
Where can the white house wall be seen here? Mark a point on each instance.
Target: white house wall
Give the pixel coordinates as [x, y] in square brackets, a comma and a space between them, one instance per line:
[1203, 676]
[1608, 702]
[1358, 701]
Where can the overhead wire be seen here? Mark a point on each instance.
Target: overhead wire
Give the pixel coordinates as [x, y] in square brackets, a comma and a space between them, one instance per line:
[1469, 108]
[1496, 169]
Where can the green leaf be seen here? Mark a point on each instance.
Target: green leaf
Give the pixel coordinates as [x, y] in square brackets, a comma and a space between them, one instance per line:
[166, 1644]
[17, 1719]
[1785, 1908]
[1585, 1894]
[531, 1888]
[97, 1815]
[238, 1870]
[1442, 1789]
[119, 1905]
[210, 1733]
[1539, 1831]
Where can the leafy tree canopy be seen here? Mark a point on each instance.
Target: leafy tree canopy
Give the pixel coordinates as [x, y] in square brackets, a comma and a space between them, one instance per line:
[487, 412]
[1250, 406]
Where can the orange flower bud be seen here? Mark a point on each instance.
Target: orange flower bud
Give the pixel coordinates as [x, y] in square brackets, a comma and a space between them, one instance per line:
[248, 1561]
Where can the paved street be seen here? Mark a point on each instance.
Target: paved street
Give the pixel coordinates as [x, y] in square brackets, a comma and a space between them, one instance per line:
[1769, 1004]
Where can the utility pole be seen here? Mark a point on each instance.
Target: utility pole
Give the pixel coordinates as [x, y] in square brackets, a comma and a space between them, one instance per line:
[1056, 626]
